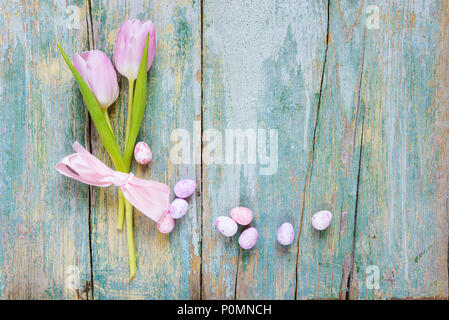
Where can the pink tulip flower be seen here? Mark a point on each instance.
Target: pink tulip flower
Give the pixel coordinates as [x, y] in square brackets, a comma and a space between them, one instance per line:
[97, 70]
[130, 44]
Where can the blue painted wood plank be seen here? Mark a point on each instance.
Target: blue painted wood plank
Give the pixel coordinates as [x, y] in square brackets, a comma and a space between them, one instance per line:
[263, 64]
[325, 257]
[402, 227]
[168, 265]
[44, 221]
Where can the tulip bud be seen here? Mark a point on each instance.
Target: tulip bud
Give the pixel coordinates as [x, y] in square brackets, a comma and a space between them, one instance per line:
[130, 44]
[98, 72]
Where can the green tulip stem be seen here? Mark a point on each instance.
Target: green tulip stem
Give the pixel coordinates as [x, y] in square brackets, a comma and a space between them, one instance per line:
[132, 255]
[121, 213]
[138, 108]
[121, 198]
[121, 209]
[130, 108]
[106, 116]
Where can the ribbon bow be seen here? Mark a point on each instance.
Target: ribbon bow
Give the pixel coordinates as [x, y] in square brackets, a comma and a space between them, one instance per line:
[149, 197]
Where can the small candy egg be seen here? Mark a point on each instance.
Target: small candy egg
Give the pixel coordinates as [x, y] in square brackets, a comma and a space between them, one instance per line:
[142, 153]
[321, 220]
[185, 188]
[248, 238]
[166, 224]
[285, 234]
[242, 215]
[226, 226]
[178, 208]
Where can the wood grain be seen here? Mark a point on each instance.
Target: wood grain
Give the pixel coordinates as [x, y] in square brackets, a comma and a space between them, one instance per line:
[362, 121]
[44, 221]
[263, 65]
[402, 217]
[325, 258]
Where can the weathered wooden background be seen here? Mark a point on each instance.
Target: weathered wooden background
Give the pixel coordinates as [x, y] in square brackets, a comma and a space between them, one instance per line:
[362, 114]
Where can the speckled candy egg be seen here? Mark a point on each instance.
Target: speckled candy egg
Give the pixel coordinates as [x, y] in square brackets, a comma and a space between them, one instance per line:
[166, 224]
[178, 208]
[321, 220]
[242, 215]
[285, 234]
[226, 226]
[185, 188]
[142, 153]
[248, 238]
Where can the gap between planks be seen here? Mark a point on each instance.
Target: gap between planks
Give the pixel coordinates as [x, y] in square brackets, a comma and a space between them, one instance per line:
[89, 146]
[201, 148]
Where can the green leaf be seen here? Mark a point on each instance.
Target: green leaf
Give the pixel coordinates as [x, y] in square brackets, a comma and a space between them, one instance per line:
[138, 109]
[105, 133]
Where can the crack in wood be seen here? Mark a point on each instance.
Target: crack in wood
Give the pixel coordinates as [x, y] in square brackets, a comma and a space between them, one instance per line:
[351, 276]
[201, 148]
[88, 142]
[237, 275]
[346, 267]
[312, 151]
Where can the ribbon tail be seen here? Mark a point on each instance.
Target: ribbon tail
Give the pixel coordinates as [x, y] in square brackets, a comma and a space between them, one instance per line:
[149, 197]
[86, 168]
[65, 167]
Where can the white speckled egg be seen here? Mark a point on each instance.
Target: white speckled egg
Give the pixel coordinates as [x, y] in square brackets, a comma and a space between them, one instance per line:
[226, 226]
[178, 208]
[248, 238]
[185, 188]
[321, 220]
[242, 215]
[285, 234]
[142, 153]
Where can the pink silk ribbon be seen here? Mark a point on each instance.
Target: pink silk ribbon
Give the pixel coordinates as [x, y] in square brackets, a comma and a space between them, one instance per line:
[149, 197]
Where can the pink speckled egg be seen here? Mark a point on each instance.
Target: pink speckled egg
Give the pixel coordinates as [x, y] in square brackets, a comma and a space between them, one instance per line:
[321, 220]
[285, 234]
[226, 226]
[142, 153]
[178, 208]
[248, 238]
[185, 188]
[242, 215]
[166, 224]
